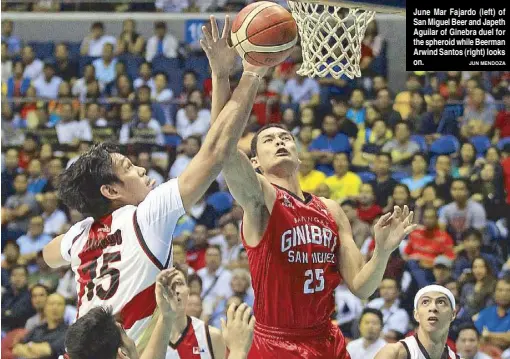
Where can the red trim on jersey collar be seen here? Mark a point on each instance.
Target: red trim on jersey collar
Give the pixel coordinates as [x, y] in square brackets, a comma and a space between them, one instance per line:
[183, 334]
[308, 196]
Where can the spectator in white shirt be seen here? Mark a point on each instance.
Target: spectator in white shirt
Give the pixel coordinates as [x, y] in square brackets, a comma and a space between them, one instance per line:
[33, 66]
[189, 121]
[126, 117]
[348, 309]
[48, 84]
[301, 90]
[147, 130]
[145, 161]
[163, 95]
[54, 218]
[190, 147]
[93, 44]
[145, 77]
[171, 5]
[105, 66]
[80, 86]
[215, 278]
[394, 317]
[369, 344]
[93, 115]
[71, 131]
[189, 84]
[162, 43]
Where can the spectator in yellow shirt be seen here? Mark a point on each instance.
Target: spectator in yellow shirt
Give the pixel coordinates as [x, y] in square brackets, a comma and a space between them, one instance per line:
[309, 178]
[343, 183]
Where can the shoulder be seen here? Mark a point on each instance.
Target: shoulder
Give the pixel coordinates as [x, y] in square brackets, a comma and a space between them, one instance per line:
[393, 351]
[336, 211]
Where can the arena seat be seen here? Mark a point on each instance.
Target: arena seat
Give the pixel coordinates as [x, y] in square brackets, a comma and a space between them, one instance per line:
[43, 50]
[221, 201]
[445, 145]
[503, 142]
[366, 176]
[420, 140]
[481, 143]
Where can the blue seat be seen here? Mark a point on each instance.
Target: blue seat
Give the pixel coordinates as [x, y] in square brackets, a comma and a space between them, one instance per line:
[481, 143]
[175, 81]
[366, 176]
[132, 63]
[42, 50]
[399, 176]
[445, 145]
[165, 65]
[74, 49]
[493, 231]
[158, 113]
[173, 140]
[198, 64]
[420, 140]
[503, 142]
[221, 201]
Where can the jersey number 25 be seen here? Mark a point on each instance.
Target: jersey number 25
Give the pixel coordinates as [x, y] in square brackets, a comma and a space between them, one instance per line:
[314, 283]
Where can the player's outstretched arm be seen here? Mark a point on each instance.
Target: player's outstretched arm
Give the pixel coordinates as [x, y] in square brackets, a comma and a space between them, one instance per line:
[238, 330]
[52, 255]
[392, 351]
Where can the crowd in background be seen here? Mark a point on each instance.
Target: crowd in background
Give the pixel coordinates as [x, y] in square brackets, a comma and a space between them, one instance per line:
[441, 145]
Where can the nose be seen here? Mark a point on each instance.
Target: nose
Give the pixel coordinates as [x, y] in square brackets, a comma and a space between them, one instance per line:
[279, 142]
[142, 171]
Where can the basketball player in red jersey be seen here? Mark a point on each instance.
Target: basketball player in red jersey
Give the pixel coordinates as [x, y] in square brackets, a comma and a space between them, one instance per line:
[126, 239]
[299, 246]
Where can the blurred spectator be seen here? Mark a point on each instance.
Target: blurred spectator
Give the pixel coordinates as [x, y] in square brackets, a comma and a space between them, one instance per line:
[469, 249]
[488, 191]
[93, 44]
[360, 229]
[6, 62]
[38, 296]
[304, 139]
[171, 6]
[12, 127]
[33, 242]
[197, 246]
[419, 177]
[54, 218]
[191, 121]
[424, 246]
[13, 42]
[266, 106]
[55, 168]
[230, 232]
[190, 148]
[105, 66]
[145, 161]
[478, 286]
[189, 84]
[505, 164]
[195, 285]
[299, 90]
[373, 39]
[348, 309]
[370, 341]
[43, 274]
[93, 116]
[494, 322]
[502, 125]
[67, 288]
[461, 318]
[418, 109]
[345, 125]
[127, 123]
[10, 257]
[395, 318]
[17, 85]
[66, 68]
[16, 306]
[383, 183]
[309, 178]
[48, 339]
[477, 115]
[80, 86]
[162, 42]
[468, 343]
[147, 129]
[383, 103]
[343, 183]
[46, 6]
[83, 147]
[357, 111]
[194, 308]
[368, 210]
[163, 95]
[403, 99]
[130, 42]
[69, 130]
[47, 85]
[29, 149]
[10, 171]
[33, 66]
[442, 270]
[427, 200]
[324, 147]
[462, 213]
[36, 181]
[122, 90]
[401, 148]
[19, 208]
[179, 258]
[145, 77]
[438, 121]
[443, 179]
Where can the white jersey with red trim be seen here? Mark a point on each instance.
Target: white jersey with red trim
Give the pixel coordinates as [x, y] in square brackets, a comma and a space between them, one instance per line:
[116, 258]
[416, 350]
[194, 343]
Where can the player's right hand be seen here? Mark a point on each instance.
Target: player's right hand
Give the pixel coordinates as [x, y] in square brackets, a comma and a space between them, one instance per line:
[219, 53]
[165, 291]
[238, 330]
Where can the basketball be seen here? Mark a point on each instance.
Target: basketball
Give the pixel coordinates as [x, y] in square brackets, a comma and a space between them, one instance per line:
[264, 33]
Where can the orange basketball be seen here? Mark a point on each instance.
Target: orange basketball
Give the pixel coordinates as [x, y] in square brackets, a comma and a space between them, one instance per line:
[264, 33]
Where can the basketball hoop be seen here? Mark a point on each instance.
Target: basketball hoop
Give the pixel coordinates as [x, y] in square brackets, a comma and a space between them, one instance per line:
[331, 37]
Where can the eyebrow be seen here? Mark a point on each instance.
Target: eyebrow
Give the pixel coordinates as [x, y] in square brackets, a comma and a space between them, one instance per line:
[440, 297]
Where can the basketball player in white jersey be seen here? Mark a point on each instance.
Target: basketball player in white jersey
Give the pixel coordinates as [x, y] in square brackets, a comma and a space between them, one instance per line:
[434, 310]
[125, 242]
[190, 337]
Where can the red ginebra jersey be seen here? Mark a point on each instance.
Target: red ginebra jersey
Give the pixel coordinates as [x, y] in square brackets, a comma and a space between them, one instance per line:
[294, 267]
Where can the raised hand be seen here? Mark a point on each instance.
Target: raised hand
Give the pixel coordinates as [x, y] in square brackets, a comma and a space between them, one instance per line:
[238, 330]
[221, 56]
[392, 228]
[165, 291]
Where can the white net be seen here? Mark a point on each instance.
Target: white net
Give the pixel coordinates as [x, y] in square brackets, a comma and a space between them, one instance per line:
[331, 38]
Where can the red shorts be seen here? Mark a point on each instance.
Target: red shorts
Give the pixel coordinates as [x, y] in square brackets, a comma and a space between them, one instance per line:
[330, 345]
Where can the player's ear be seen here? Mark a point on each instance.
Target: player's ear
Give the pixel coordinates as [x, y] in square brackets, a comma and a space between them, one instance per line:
[109, 192]
[415, 314]
[255, 164]
[121, 354]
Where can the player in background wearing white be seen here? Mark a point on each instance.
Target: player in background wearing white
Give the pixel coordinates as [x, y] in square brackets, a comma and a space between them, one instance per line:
[190, 337]
[434, 310]
[125, 242]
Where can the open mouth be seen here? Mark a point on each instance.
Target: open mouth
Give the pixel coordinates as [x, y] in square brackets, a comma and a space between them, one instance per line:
[151, 183]
[433, 320]
[282, 152]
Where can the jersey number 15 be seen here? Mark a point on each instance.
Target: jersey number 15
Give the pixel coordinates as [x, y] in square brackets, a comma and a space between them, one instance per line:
[314, 283]
[114, 273]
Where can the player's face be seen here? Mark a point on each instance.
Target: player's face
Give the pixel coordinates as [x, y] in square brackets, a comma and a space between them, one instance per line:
[128, 346]
[276, 151]
[370, 326]
[135, 184]
[434, 312]
[467, 343]
[181, 292]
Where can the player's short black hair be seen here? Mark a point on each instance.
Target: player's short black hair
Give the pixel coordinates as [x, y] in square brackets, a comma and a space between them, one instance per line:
[80, 184]
[263, 128]
[374, 311]
[95, 335]
[468, 326]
